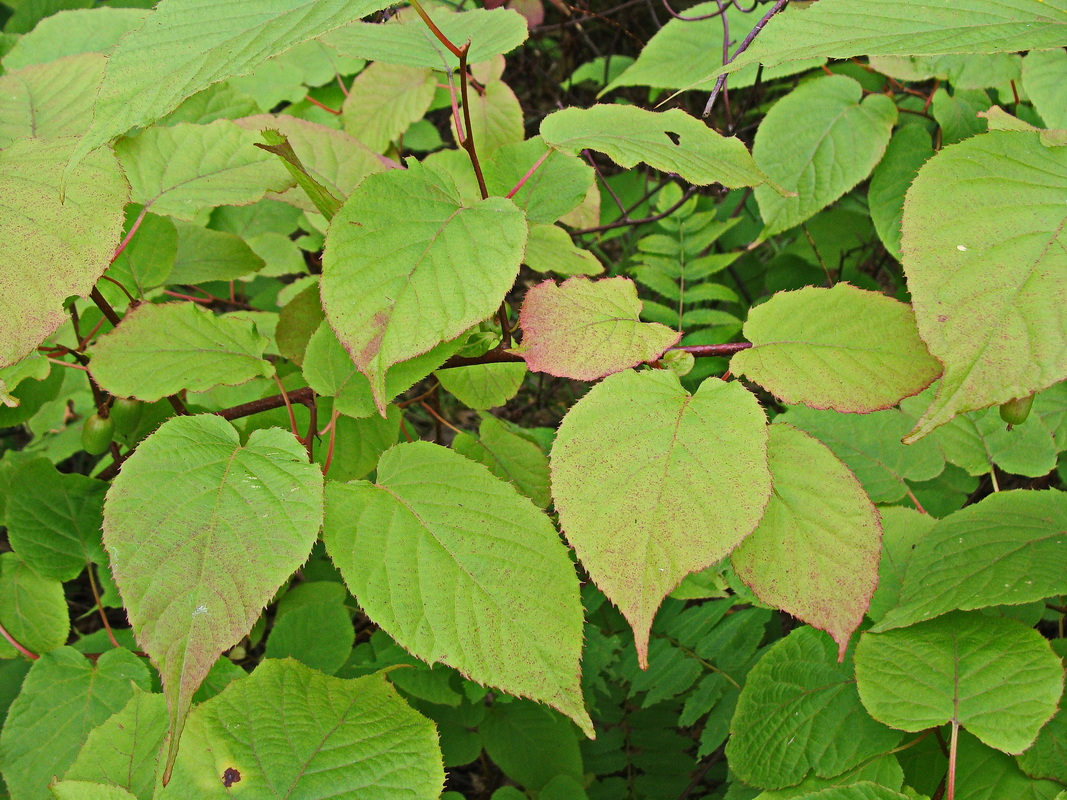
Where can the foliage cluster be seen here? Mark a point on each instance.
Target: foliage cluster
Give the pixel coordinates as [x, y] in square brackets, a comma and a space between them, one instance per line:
[399, 402]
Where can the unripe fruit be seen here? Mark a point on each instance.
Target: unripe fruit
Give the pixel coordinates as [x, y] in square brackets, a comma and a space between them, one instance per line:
[125, 413]
[97, 434]
[1015, 412]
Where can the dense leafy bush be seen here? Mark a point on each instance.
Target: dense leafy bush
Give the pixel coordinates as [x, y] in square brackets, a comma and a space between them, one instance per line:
[317, 480]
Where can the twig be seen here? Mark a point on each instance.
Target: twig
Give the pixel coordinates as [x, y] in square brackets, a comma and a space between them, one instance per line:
[315, 102]
[304, 396]
[133, 229]
[100, 606]
[288, 406]
[721, 80]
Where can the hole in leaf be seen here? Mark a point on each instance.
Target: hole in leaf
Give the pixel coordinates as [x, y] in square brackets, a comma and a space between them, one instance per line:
[674, 137]
[230, 777]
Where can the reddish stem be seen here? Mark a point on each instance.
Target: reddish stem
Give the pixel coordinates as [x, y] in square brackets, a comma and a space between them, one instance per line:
[14, 643]
[133, 229]
[315, 102]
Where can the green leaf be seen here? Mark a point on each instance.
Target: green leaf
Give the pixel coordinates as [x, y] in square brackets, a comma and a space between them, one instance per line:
[843, 29]
[842, 138]
[53, 520]
[185, 168]
[205, 255]
[496, 117]
[76, 236]
[317, 632]
[483, 386]
[146, 261]
[64, 696]
[508, 456]
[333, 158]
[795, 703]
[994, 676]
[841, 348]
[1006, 550]
[407, 41]
[359, 443]
[586, 329]
[49, 101]
[902, 530]
[84, 790]
[398, 242]
[218, 101]
[125, 750]
[550, 248]
[905, 154]
[530, 744]
[201, 532]
[683, 53]
[671, 141]
[1043, 71]
[652, 483]
[308, 735]
[815, 552]
[558, 184]
[983, 273]
[297, 321]
[384, 100]
[158, 350]
[321, 197]
[32, 609]
[329, 371]
[957, 114]
[1047, 757]
[986, 774]
[884, 770]
[438, 525]
[68, 33]
[863, 790]
[869, 444]
[187, 45]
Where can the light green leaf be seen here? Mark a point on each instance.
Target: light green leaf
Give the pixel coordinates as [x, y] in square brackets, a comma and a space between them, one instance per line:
[1043, 72]
[864, 790]
[204, 254]
[984, 254]
[842, 348]
[76, 237]
[670, 141]
[843, 137]
[187, 45]
[902, 529]
[201, 532]
[324, 201]
[496, 117]
[994, 676]
[218, 101]
[1008, 549]
[682, 54]
[815, 552]
[652, 483]
[159, 350]
[795, 704]
[64, 696]
[550, 248]
[32, 609]
[406, 40]
[358, 443]
[85, 790]
[405, 246]
[49, 101]
[510, 457]
[958, 114]
[33, 367]
[304, 734]
[557, 185]
[184, 168]
[439, 525]
[869, 444]
[329, 370]
[907, 151]
[843, 29]
[384, 100]
[125, 750]
[884, 770]
[483, 386]
[586, 329]
[53, 520]
[71, 32]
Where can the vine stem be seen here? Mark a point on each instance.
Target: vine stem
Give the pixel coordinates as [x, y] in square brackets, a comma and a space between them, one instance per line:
[752, 34]
[133, 229]
[15, 643]
[950, 793]
[100, 606]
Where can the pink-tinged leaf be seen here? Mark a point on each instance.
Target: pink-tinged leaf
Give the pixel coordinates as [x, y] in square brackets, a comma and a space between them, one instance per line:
[815, 552]
[652, 483]
[586, 329]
